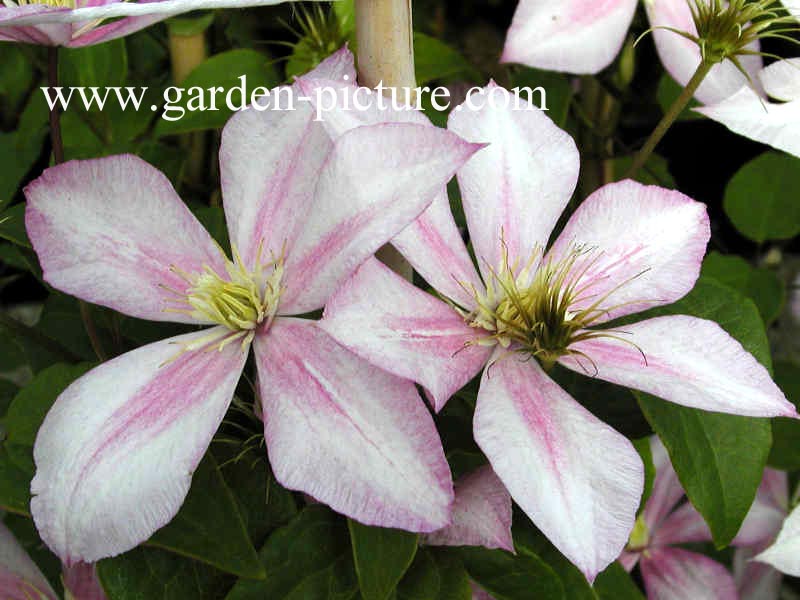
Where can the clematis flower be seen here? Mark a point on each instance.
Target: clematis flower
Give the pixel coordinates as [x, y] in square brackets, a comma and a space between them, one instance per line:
[116, 453]
[81, 581]
[670, 572]
[20, 578]
[627, 248]
[77, 23]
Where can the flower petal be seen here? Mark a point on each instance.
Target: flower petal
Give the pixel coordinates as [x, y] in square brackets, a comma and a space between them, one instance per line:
[20, 578]
[269, 163]
[111, 31]
[781, 79]
[349, 434]
[685, 360]
[681, 56]
[755, 581]
[116, 453]
[399, 328]
[643, 245]
[766, 515]
[578, 480]
[683, 526]
[576, 36]
[746, 113]
[514, 190]
[667, 490]
[784, 554]
[108, 230]
[82, 582]
[434, 247]
[675, 574]
[481, 514]
[11, 30]
[377, 180]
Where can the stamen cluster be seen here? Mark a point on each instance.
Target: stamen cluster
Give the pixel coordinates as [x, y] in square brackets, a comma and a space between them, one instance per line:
[71, 4]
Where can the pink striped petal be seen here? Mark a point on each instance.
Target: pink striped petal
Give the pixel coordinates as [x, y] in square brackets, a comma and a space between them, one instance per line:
[377, 180]
[514, 190]
[399, 328]
[754, 580]
[11, 30]
[578, 480]
[747, 114]
[108, 230]
[20, 578]
[576, 36]
[784, 554]
[689, 361]
[481, 514]
[681, 57]
[675, 574]
[269, 164]
[82, 582]
[112, 31]
[667, 490]
[643, 247]
[432, 243]
[683, 526]
[349, 434]
[781, 79]
[116, 453]
[434, 247]
[766, 516]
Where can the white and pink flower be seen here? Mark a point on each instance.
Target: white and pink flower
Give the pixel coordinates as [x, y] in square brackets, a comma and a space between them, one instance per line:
[116, 453]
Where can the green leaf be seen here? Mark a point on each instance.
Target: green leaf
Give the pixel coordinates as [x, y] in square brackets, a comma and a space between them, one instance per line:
[760, 285]
[433, 59]
[153, 574]
[512, 577]
[644, 449]
[221, 70]
[719, 458]
[99, 65]
[22, 421]
[12, 226]
[308, 559]
[435, 574]
[381, 556]
[761, 199]
[654, 172]
[191, 25]
[785, 453]
[616, 584]
[209, 526]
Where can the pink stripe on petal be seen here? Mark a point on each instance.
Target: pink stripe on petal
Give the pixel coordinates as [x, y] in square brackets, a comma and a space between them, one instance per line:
[686, 360]
[378, 179]
[766, 515]
[582, 496]
[667, 490]
[20, 577]
[683, 526]
[481, 514]
[399, 328]
[348, 434]
[643, 245]
[116, 453]
[515, 189]
[82, 582]
[576, 36]
[108, 230]
[674, 574]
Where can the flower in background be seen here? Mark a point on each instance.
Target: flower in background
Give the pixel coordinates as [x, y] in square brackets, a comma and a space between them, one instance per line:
[628, 247]
[81, 582]
[768, 544]
[116, 453]
[86, 22]
[20, 578]
[670, 572]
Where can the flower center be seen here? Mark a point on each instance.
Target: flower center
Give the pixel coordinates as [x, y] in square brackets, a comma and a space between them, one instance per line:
[241, 301]
[542, 308]
[640, 536]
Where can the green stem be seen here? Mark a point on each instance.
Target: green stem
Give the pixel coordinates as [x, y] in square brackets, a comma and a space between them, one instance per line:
[58, 157]
[670, 117]
[38, 338]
